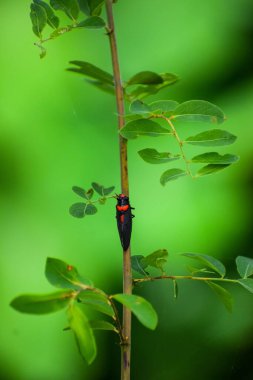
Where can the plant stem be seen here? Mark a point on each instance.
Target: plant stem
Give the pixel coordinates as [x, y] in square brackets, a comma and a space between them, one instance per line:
[145, 279]
[127, 273]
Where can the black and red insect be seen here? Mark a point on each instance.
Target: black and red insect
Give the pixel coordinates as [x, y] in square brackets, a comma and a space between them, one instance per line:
[124, 220]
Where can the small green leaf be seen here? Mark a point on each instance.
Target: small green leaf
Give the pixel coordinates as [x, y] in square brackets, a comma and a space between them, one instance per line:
[69, 7]
[199, 110]
[224, 296]
[63, 275]
[82, 330]
[79, 210]
[109, 89]
[101, 190]
[102, 325]
[138, 107]
[138, 265]
[41, 304]
[38, 17]
[140, 307]
[96, 6]
[58, 32]
[96, 300]
[84, 6]
[82, 193]
[163, 106]
[143, 91]
[143, 127]
[52, 19]
[214, 137]
[209, 261]
[153, 157]
[87, 69]
[210, 169]
[215, 158]
[93, 22]
[145, 77]
[156, 259]
[244, 266]
[171, 175]
[247, 283]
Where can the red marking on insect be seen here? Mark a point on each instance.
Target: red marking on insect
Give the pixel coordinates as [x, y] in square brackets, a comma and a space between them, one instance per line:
[122, 217]
[122, 196]
[123, 208]
[69, 267]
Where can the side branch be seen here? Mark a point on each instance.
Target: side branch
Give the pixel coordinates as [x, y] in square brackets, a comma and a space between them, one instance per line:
[146, 279]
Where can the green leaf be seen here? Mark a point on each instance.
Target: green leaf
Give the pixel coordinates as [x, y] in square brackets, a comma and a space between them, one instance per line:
[84, 6]
[82, 193]
[93, 22]
[199, 110]
[152, 156]
[41, 304]
[215, 158]
[163, 106]
[79, 210]
[140, 307]
[156, 259]
[97, 301]
[69, 7]
[247, 283]
[87, 69]
[244, 266]
[143, 127]
[82, 330]
[102, 325]
[101, 190]
[145, 77]
[52, 19]
[210, 169]
[141, 92]
[63, 275]
[138, 265]
[209, 261]
[171, 175]
[102, 86]
[138, 107]
[224, 296]
[214, 137]
[38, 17]
[58, 32]
[96, 6]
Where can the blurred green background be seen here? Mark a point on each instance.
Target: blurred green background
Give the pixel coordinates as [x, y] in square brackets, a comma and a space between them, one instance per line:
[57, 132]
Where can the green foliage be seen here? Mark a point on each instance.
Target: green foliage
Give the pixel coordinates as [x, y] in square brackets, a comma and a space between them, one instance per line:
[69, 7]
[42, 304]
[163, 106]
[214, 137]
[140, 307]
[101, 190]
[145, 77]
[38, 17]
[102, 325]
[89, 70]
[215, 158]
[93, 22]
[209, 261]
[153, 157]
[52, 19]
[199, 110]
[211, 169]
[244, 266]
[223, 295]
[171, 175]
[63, 275]
[97, 300]
[247, 283]
[79, 210]
[91, 7]
[83, 333]
[143, 127]
[156, 260]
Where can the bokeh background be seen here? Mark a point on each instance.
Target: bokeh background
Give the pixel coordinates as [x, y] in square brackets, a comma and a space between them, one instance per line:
[57, 132]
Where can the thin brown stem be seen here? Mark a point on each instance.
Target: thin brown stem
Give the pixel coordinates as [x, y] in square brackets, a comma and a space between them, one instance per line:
[127, 273]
